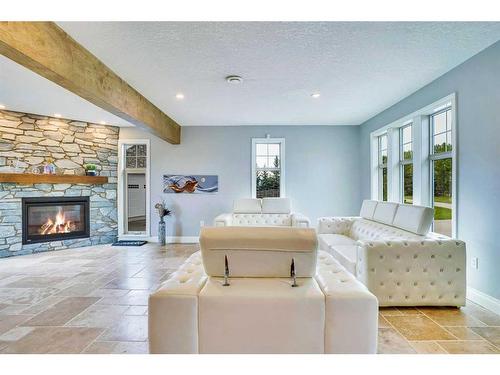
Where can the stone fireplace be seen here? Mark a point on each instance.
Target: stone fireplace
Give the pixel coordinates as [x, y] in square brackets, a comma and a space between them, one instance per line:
[28, 141]
[55, 218]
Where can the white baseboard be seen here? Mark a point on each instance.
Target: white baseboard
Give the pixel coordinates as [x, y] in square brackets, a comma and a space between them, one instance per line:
[483, 299]
[176, 239]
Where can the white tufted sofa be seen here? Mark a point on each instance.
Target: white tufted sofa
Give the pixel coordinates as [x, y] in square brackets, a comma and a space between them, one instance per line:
[390, 249]
[329, 312]
[262, 212]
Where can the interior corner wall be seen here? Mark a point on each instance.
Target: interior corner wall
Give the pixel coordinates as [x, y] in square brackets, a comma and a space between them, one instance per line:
[321, 170]
[476, 83]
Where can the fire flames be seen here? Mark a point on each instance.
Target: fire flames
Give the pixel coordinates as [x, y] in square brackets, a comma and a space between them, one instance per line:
[58, 225]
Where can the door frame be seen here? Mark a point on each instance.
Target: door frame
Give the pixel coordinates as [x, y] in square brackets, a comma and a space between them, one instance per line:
[122, 185]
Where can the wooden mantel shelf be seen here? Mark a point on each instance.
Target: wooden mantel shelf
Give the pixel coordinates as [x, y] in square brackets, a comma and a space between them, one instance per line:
[30, 178]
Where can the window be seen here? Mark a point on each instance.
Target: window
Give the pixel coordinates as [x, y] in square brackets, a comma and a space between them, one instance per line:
[441, 170]
[406, 163]
[382, 166]
[414, 160]
[135, 156]
[268, 167]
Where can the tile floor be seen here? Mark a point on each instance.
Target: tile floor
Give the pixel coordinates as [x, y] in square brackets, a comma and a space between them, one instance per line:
[94, 300]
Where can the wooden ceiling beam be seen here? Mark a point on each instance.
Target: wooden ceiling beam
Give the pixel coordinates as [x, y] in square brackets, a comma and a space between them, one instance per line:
[49, 51]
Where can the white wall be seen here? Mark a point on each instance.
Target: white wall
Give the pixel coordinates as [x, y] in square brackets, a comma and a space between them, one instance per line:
[322, 170]
[476, 83]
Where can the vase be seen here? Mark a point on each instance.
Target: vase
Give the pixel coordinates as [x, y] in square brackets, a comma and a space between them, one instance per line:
[162, 233]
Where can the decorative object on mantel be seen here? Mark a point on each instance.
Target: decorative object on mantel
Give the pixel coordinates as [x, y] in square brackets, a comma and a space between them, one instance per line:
[193, 184]
[49, 167]
[162, 230]
[90, 169]
[15, 166]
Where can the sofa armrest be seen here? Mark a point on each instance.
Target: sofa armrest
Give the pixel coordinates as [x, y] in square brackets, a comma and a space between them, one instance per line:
[173, 310]
[301, 221]
[413, 272]
[223, 220]
[351, 315]
[335, 225]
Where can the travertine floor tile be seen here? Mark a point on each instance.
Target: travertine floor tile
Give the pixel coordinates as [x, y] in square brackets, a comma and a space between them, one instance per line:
[35, 282]
[427, 347]
[463, 333]
[78, 290]
[389, 311]
[391, 342]
[7, 322]
[105, 347]
[56, 340]
[452, 317]
[128, 328]
[492, 334]
[468, 347]
[16, 296]
[382, 322]
[98, 316]
[16, 333]
[61, 312]
[487, 317]
[137, 310]
[418, 328]
[117, 321]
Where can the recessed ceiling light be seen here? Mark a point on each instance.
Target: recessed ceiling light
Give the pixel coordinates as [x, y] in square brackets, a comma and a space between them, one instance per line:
[179, 96]
[102, 122]
[315, 95]
[234, 80]
[58, 115]
[2, 106]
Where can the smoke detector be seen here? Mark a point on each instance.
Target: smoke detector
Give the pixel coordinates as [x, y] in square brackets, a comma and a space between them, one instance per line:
[234, 80]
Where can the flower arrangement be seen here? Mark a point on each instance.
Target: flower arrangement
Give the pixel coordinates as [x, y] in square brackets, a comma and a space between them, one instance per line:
[162, 210]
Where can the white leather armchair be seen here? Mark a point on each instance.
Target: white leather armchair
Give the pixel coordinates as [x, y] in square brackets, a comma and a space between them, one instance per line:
[390, 249]
[261, 213]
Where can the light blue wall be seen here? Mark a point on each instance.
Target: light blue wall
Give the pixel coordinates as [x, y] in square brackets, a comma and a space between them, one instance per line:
[322, 170]
[477, 84]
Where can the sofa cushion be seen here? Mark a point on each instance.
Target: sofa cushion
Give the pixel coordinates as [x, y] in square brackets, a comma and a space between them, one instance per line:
[276, 206]
[334, 239]
[363, 229]
[384, 212]
[368, 209]
[346, 256]
[247, 205]
[262, 220]
[416, 219]
[259, 252]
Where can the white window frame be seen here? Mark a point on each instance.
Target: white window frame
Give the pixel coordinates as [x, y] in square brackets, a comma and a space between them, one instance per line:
[122, 184]
[403, 162]
[381, 166]
[443, 155]
[422, 181]
[268, 140]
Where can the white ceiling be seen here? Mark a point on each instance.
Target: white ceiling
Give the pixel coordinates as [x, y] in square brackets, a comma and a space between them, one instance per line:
[24, 91]
[360, 68]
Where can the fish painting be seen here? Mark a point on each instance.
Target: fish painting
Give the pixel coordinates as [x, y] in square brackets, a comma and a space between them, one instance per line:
[191, 184]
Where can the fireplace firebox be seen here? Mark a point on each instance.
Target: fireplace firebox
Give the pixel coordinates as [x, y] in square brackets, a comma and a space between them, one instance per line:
[55, 218]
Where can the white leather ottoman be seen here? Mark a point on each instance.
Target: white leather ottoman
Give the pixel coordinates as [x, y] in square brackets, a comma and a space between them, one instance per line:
[260, 316]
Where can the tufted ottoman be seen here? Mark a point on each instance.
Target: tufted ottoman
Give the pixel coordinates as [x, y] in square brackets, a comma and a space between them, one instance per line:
[329, 312]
